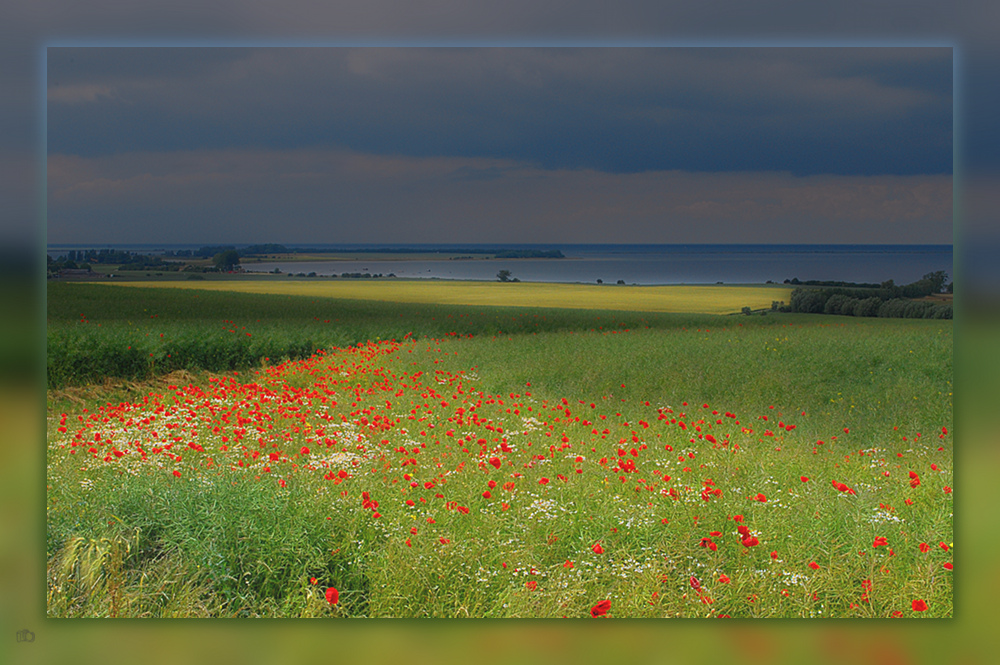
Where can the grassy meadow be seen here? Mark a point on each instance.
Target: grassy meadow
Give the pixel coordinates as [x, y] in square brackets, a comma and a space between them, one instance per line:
[226, 454]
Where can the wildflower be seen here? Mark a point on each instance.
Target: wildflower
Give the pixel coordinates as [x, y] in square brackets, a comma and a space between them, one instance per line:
[919, 606]
[495, 461]
[947, 490]
[532, 585]
[724, 578]
[332, 596]
[814, 565]
[841, 487]
[313, 581]
[804, 479]
[949, 565]
[597, 548]
[600, 609]
[695, 584]
[880, 541]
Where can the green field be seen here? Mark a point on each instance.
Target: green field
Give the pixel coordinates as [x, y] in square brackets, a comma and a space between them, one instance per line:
[675, 299]
[452, 460]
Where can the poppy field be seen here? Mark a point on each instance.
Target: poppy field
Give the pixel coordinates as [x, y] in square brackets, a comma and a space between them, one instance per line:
[502, 463]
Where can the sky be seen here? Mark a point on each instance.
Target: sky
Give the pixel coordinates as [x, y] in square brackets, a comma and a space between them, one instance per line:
[481, 144]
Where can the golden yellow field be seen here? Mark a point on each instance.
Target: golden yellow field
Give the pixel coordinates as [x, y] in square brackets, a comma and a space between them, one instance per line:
[680, 299]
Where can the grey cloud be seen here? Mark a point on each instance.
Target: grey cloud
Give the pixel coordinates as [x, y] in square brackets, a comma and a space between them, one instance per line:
[323, 196]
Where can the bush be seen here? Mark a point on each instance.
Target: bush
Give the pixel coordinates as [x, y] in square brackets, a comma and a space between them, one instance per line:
[808, 301]
[838, 304]
[866, 307]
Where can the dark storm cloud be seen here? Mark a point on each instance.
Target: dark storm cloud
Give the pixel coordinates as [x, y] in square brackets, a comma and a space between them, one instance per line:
[620, 110]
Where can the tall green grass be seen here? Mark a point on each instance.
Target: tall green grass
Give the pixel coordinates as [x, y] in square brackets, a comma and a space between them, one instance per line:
[100, 331]
[135, 541]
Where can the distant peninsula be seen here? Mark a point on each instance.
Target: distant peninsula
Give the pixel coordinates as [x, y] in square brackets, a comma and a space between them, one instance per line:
[270, 249]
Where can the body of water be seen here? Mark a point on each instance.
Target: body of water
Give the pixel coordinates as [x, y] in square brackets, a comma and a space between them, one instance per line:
[634, 264]
[665, 264]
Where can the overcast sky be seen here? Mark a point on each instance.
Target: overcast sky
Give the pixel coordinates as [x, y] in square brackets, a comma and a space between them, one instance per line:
[466, 145]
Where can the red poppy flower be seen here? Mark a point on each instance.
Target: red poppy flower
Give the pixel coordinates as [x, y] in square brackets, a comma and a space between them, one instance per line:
[897, 615]
[949, 566]
[600, 609]
[313, 580]
[695, 584]
[804, 479]
[177, 474]
[880, 542]
[774, 555]
[332, 596]
[761, 498]
[724, 578]
[919, 606]
[598, 549]
[495, 461]
[532, 585]
[750, 541]
[947, 490]
[842, 487]
[924, 547]
[487, 495]
[814, 565]
[543, 481]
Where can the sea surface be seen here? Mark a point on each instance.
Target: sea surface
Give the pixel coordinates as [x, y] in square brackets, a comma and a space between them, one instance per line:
[633, 264]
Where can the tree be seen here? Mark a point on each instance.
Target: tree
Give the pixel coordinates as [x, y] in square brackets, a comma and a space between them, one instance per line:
[937, 280]
[226, 260]
[504, 276]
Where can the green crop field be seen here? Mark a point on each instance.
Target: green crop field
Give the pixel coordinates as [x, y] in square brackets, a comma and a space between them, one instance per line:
[223, 454]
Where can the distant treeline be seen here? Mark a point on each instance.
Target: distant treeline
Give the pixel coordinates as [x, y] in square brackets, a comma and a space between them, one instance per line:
[815, 282]
[84, 258]
[887, 300]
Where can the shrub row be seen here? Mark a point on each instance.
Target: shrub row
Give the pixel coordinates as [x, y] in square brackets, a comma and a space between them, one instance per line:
[846, 303]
